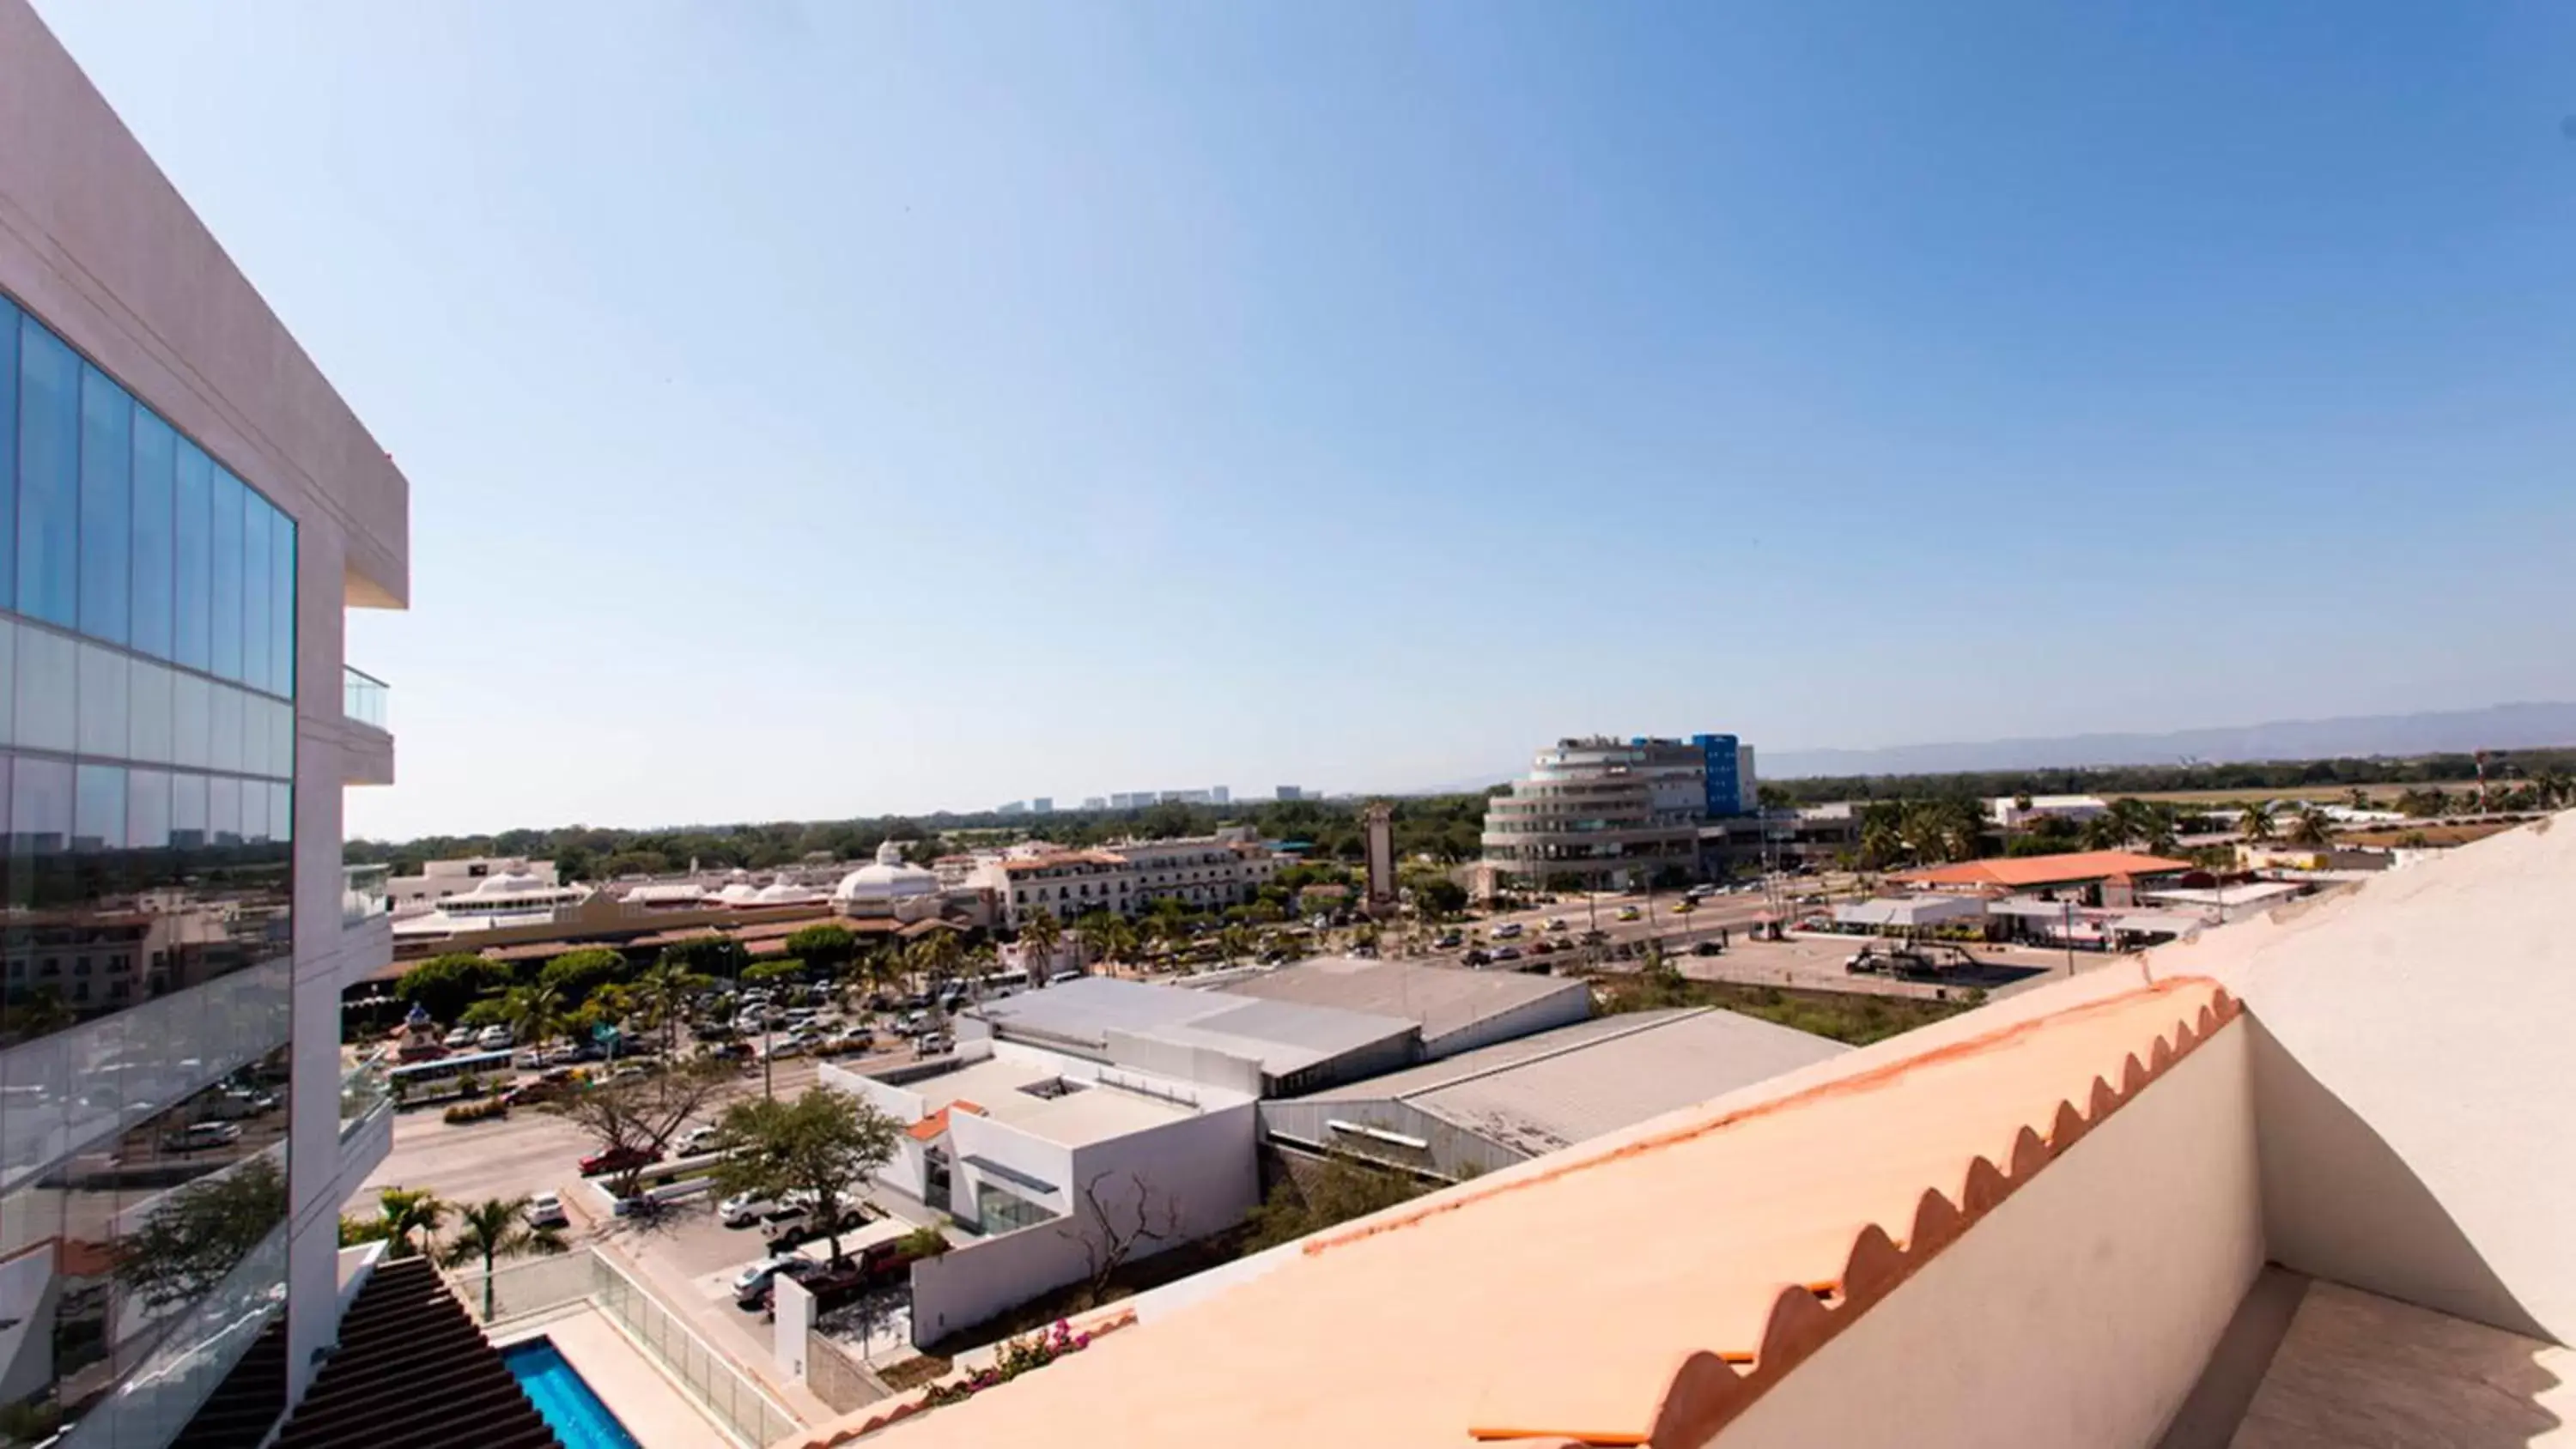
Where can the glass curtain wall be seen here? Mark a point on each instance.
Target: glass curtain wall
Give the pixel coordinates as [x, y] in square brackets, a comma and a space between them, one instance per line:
[147, 754]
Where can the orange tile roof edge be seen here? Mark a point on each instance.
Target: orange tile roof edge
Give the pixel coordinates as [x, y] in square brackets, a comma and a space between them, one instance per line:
[929, 1128]
[2044, 869]
[1708, 1389]
[867, 1421]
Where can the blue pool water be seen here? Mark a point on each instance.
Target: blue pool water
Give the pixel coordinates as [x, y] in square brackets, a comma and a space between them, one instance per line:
[563, 1400]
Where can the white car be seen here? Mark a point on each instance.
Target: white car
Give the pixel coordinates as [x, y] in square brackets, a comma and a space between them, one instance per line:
[743, 1209]
[494, 1039]
[459, 1039]
[545, 1210]
[751, 1278]
[1508, 930]
[695, 1141]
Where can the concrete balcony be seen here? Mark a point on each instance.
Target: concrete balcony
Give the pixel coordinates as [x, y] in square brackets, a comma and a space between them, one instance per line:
[367, 746]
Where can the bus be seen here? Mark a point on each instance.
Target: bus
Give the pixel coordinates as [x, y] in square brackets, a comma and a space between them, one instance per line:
[419, 1081]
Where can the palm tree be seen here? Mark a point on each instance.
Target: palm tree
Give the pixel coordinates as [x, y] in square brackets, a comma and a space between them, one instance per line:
[664, 992]
[492, 1230]
[2358, 799]
[2313, 827]
[2255, 821]
[1234, 943]
[409, 1212]
[1040, 934]
[534, 1013]
[935, 957]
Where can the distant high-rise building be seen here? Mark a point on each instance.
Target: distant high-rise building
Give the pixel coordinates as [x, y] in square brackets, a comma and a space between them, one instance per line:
[1221, 795]
[1016, 807]
[1095, 802]
[1043, 805]
[1290, 792]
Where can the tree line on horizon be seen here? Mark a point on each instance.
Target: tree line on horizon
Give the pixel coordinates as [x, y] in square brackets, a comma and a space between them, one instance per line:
[2327, 776]
[1448, 828]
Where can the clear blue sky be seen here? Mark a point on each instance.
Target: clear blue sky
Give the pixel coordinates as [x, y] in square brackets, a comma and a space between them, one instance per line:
[821, 409]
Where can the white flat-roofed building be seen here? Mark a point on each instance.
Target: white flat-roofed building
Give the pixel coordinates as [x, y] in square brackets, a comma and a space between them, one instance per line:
[440, 879]
[2012, 812]
[1042, 1158]
[1455, 1008]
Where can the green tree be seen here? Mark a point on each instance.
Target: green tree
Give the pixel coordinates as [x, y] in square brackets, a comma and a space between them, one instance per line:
[492, 1231]
[412, 1217]
[823, 1146]
[663, 994]
[827, 947]
[762, 971]
[1234, 943]
[1337, 1191]
[576, 974]
[444, 986]
[2312, 827]
[1040, 935]
[1440, 895]
[2254, 822]
[534, 1014]
[188, 1242]
[935, 958]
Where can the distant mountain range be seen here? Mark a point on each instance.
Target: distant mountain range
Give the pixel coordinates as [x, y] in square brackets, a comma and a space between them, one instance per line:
[2497, 727]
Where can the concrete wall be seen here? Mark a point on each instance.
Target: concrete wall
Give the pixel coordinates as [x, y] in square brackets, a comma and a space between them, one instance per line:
[1454, 1153]
[2413, 1077]
[1200, 1167]
[2079, 1312]
[1184, 1062]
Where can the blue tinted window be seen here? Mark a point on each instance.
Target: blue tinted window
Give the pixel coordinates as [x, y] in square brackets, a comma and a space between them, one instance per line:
[147, 810]
[281, 619]
[98, 808]
[255, 532]
[188, 811]
[226, 655]
[106, 508]
[48, 477]
[223, 810]
[8, 451]
[155, 546]
[40, 806]
[193, 609]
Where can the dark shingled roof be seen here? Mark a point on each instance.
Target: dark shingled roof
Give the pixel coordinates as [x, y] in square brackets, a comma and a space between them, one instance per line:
[412, 1370]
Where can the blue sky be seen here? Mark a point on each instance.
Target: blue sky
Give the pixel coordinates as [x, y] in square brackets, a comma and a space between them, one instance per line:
[826, 409]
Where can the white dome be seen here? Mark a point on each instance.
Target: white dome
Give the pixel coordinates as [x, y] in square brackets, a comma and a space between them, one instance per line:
[506, 884]
[782, 892]
[737, 894]
[887, 880]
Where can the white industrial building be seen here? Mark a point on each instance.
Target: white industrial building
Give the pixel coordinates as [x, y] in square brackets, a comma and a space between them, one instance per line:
[1489, 1108]
[1453, 1009]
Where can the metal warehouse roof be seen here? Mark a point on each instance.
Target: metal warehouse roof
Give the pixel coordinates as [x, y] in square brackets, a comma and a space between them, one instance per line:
[1284, 1036]
[1579, 1082]
[1444, 999]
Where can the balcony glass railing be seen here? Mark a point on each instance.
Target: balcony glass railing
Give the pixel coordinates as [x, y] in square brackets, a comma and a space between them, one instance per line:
[362, 1090]
[363, 697]
[364, 894]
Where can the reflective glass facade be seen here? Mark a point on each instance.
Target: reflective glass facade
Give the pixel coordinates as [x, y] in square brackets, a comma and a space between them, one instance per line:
[147, 750]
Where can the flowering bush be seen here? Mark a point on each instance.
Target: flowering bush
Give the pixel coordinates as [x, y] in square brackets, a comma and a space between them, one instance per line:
[1018, 1356]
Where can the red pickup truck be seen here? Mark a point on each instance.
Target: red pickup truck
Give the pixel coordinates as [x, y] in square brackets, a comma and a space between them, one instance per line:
[877, 1265]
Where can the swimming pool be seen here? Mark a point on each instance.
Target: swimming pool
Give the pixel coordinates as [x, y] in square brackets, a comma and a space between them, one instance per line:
[563, 1399]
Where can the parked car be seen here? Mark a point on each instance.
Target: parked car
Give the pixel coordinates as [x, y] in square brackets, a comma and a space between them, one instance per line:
[459, 1039]
[1557, 923]
[785, 1047]
[1476, 958]
[793, 1226]
[751, 1285]
[743, 1209]
[1541, 948]
[494, 1039]
[545, 1210]
[1507, 953]
[877, 1265]
[1706, 948]
[200, 1136]
[696, 1140]
[1507, 931]
[1450, 941]
[619, 1159]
